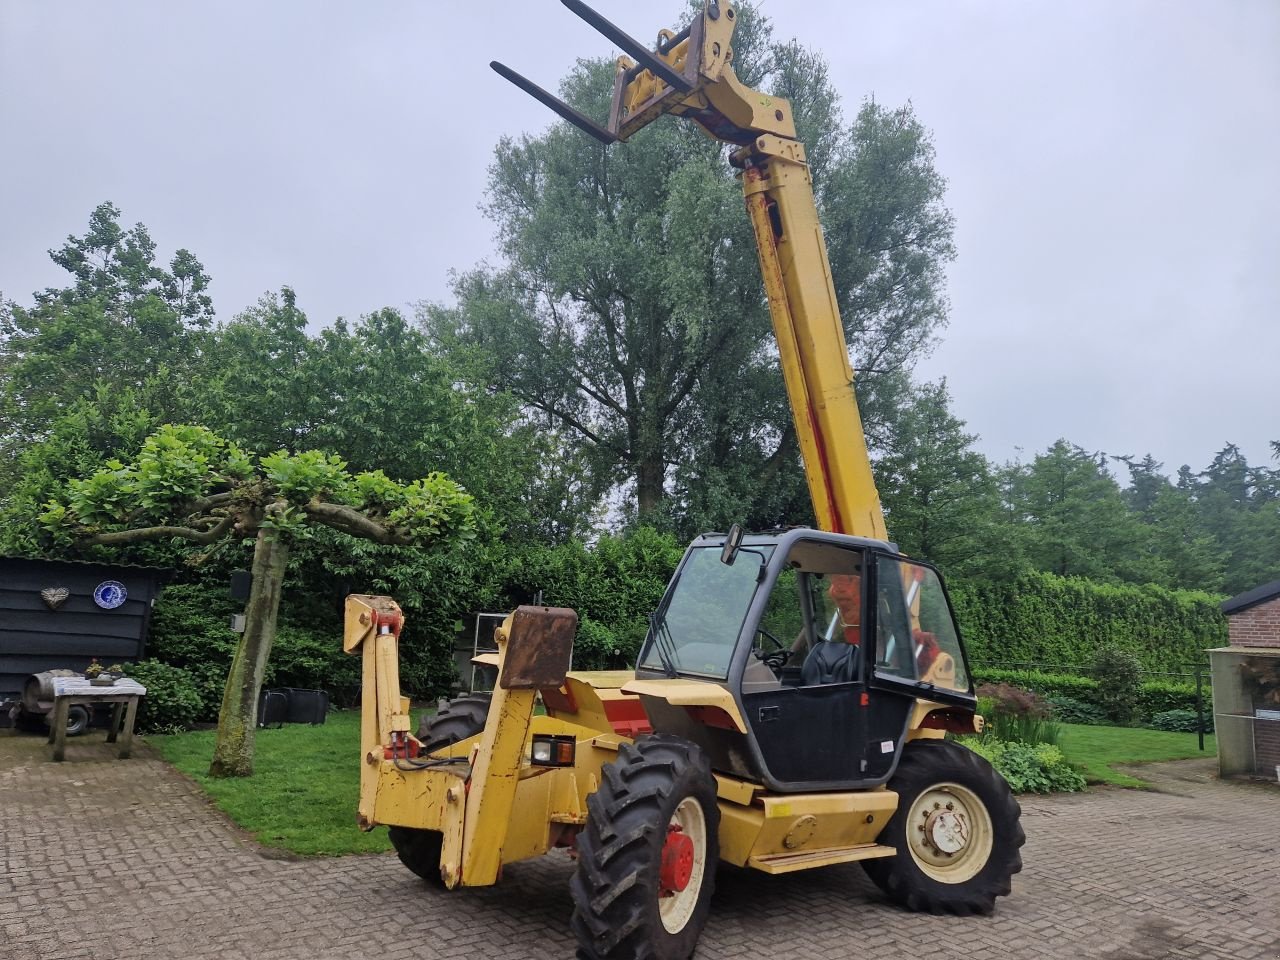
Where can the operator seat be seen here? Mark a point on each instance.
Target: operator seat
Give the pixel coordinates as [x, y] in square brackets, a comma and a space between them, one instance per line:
[830, 661]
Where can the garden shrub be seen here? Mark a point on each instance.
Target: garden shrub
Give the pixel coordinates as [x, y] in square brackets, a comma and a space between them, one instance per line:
[1079, 696]
[314, 659]
[1119, 684]
[1045, 684]
[1070, 710]
[173, 698]
[596, 647]
[1017, 715]
[191, 628]
[1181, 721]
[1038, 768]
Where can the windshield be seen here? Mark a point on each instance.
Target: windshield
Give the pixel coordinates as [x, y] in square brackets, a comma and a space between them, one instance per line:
[697, 628]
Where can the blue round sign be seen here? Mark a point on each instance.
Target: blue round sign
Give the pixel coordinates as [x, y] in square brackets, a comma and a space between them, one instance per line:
[110, 594]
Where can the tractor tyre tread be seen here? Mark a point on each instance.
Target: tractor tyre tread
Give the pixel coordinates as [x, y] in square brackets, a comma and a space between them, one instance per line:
[923, 764]
[419, 850]
[614, 888]
[459, 719]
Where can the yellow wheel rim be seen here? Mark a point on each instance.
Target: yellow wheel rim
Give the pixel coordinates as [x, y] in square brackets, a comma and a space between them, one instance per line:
[949, 833]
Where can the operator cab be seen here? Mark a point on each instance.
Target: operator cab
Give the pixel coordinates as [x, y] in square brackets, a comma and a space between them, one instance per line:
[826, 643]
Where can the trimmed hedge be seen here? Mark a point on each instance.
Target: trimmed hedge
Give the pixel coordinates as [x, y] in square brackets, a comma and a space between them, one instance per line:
[1042, 618]
[1154, 696]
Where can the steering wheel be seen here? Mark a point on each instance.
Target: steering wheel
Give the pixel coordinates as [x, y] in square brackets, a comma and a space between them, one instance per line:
[776, 658]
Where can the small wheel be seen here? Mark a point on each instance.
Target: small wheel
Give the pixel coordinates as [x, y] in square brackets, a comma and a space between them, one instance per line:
[78, 719]
[458, 719]
[956, 831]
[647, 855]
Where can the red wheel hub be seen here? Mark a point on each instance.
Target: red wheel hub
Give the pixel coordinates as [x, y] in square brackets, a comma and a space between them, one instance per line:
[677, 862]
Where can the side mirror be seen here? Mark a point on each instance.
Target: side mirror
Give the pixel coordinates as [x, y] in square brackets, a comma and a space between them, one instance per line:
[732, 543]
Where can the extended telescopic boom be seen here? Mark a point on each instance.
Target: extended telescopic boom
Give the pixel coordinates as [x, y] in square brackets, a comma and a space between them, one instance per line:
[690, 75]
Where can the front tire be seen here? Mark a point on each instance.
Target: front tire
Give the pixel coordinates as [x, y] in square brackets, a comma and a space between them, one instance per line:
[956, 831]
[648, 853]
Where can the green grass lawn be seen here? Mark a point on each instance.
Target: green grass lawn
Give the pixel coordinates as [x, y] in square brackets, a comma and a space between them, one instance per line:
[1095, 749]
[303, 793]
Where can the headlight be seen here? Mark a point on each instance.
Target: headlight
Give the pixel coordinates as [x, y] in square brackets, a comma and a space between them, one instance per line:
[552, 750]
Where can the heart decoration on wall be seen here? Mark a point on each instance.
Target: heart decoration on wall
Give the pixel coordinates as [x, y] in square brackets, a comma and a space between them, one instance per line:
[54, 597]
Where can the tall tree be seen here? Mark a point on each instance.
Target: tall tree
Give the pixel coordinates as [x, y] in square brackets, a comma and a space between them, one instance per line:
[1076, 522]
[1178, 552]
[374, 392]
[940, 498]
[121, 335]
[191, 485]
[1239, 506]
[630, 312]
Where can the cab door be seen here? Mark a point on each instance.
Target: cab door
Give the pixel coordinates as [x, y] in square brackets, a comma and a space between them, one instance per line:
[918, 655]
[808, 722]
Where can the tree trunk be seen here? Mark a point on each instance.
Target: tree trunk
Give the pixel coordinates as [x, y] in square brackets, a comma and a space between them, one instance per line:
[238, 718]
[649, 485]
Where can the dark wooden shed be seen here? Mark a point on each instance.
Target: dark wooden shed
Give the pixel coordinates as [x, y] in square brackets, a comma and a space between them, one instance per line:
[104, 614]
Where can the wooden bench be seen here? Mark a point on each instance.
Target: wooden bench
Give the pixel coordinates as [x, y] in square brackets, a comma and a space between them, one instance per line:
[123, 695]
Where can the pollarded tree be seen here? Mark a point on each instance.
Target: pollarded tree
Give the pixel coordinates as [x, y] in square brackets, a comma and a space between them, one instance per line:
[190, 484]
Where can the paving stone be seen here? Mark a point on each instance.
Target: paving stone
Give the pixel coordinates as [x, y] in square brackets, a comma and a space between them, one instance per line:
[1187, 871]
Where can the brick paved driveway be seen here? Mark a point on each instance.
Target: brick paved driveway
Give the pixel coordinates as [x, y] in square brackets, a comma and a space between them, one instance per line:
[1191, 871]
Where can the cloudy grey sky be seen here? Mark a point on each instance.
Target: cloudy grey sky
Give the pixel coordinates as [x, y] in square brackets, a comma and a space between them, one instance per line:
[1112, 166]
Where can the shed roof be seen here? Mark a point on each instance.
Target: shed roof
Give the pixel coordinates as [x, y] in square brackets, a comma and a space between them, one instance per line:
[1251, 598]
[87, 563]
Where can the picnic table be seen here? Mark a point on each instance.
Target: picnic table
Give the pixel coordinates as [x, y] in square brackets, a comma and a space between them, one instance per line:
[123, 694]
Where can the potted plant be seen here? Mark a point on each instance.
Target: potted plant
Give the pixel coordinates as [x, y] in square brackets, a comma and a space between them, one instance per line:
[97, 675]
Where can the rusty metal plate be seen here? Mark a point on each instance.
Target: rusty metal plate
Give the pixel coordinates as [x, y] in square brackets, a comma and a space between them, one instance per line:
[539, 648]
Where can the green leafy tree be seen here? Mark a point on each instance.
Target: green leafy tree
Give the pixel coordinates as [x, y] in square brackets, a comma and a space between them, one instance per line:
[1179, 553]
[86, 365]
[1073, 518]
[629, 309]
[1239, 506]
[375, 393]
[190, 484]
[940, 498]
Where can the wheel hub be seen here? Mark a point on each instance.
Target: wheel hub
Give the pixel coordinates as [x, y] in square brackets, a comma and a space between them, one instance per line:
[677, 862]
[947, 831]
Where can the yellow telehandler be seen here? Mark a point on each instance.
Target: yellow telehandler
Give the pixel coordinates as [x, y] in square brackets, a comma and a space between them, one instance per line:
[790, 701]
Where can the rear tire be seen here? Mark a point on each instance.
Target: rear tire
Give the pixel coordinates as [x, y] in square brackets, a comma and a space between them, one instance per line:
[629, 901]
[956, 831]
[419, 850]
[459, 719]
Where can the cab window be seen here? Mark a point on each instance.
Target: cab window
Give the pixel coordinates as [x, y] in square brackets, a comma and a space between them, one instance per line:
[916, 637]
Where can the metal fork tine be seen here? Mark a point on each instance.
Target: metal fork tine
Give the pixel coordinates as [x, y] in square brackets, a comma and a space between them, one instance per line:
[643, 55]
[579, 120]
